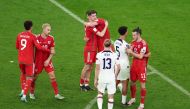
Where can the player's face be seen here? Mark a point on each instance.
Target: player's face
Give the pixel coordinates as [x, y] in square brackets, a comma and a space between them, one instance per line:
[47, 30]
[135, 35]
[92, 17]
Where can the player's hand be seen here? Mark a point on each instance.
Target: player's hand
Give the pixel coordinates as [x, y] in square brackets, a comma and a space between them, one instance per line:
[129, 51]
[86, 39]
[46, 63]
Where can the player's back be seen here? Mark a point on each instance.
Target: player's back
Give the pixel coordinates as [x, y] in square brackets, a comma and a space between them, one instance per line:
[107, 61]
[100, 27]
[25, 46]
[120, 48]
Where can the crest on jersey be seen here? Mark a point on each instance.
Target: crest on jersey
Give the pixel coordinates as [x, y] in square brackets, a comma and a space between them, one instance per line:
[49, 42]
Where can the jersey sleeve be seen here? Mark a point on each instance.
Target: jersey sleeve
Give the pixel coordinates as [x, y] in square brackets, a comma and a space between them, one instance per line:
[52, 42]
[98, 58]
[127, 45]
[100, 22]
[144, 48]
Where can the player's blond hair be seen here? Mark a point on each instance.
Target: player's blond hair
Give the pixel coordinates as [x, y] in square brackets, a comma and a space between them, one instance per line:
[45, 25]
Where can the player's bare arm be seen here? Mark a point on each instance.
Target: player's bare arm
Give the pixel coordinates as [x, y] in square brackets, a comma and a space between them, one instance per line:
[52, 49]
[101, 34]
[90, 24]
[117, 70]
[85, 38]
[147, 55]
[139, 56]
[97, 71]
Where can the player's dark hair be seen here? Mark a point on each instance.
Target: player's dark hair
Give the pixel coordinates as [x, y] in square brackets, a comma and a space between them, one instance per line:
[28, 24]
[90, 12]
[107, 43]
[138, 30]
[122, 30]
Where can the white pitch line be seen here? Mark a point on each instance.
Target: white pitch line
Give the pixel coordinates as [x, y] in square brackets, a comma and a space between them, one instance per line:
[164, 77]
[170, 81]
[91, 103]
[63, 8]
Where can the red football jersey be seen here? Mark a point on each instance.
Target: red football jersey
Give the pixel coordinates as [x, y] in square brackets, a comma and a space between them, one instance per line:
[90, 33]
[47, 43]
[140, 47]
[100, 40]
[100, 27]
[25, 43]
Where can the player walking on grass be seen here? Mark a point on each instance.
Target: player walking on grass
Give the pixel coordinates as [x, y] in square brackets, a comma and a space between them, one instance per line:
[25, 43]
[140, 52]
[106, 74]
[90, 50]
[44, 60]
[120, 47]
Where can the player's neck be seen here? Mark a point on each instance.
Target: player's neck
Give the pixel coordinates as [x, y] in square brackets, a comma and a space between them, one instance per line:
[122, 37]
[106, 49]
[139, 39]
[29, 31]
[43, 35]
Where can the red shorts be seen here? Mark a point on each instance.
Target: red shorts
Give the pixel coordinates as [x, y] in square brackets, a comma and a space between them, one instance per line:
[89, 57]
[138, 73]
[40, 65]
[27, 69]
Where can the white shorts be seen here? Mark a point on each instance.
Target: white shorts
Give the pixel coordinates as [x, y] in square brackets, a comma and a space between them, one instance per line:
[124, 73]
[111, 87]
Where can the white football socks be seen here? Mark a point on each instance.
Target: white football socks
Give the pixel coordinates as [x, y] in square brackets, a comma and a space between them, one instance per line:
[110, 103]
[100, 101]
[123, 99]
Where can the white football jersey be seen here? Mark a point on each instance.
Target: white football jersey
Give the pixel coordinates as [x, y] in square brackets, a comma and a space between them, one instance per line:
[120, 48]
[107, 61]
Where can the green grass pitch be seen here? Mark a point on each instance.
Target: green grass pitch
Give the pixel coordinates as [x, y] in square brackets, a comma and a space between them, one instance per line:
[165, 25]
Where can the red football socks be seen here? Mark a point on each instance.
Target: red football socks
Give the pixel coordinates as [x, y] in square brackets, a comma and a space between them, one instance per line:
[81, 81]
[27, 86]
[143, 94]
[33, 86]
[55, 86]
[133, 91]
[86, 82]
[22, 81]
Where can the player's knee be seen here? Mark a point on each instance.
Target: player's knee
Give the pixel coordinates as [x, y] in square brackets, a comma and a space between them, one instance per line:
[51, 75]
[110, 100]
[143, 85]
[133, 83]
[99, 96]
[87, 66]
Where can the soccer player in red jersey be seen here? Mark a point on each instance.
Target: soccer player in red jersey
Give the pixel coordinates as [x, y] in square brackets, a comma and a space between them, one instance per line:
[25, 43]
[90, 50]
[140, 52]
[100, 24]
[44, 60]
